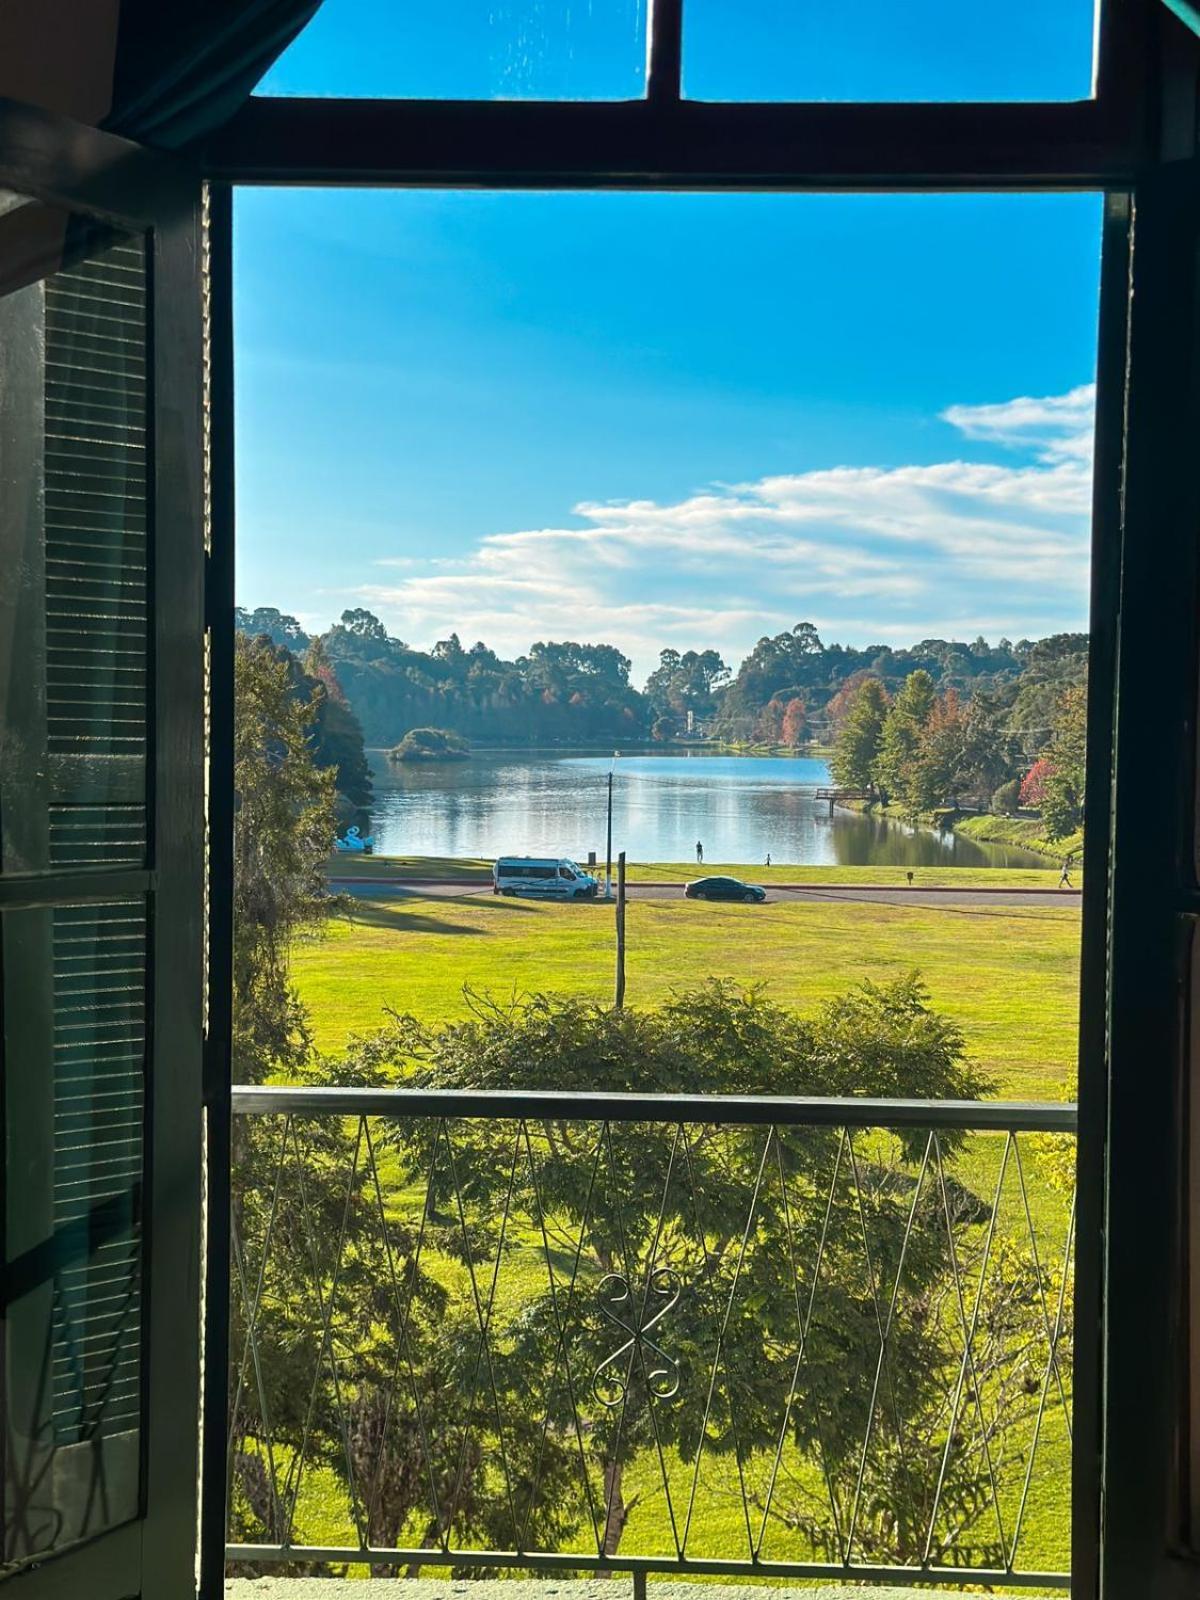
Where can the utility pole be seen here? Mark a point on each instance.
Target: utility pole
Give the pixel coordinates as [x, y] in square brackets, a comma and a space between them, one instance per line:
[608, 844]
[620, 996]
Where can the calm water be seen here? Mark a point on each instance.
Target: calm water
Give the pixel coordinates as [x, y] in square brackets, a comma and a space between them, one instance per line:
[741, 807]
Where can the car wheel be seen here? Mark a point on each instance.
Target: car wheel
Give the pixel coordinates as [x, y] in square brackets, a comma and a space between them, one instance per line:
[510, 894]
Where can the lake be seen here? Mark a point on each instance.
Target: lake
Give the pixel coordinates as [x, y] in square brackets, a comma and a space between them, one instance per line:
[740, 807]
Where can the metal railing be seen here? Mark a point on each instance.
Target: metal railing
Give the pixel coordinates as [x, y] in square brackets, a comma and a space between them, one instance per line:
[806, 1338]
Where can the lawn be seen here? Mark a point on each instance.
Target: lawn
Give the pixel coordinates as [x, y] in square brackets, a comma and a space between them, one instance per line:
[1007, 975]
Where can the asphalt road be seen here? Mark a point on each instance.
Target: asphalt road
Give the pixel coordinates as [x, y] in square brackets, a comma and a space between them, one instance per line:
[824, 895]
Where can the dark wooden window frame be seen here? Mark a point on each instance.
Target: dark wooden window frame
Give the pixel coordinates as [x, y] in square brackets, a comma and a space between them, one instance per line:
[1135, 140]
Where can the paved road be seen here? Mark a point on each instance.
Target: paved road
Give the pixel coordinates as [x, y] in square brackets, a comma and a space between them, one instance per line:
[946, 898]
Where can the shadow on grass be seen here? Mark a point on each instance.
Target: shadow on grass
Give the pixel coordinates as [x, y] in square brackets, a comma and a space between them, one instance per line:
[396, 916]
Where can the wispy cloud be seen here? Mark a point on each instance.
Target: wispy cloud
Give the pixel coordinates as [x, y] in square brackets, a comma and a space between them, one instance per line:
[871, 553]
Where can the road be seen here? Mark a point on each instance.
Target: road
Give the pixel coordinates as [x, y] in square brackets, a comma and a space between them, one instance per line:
[805, 894]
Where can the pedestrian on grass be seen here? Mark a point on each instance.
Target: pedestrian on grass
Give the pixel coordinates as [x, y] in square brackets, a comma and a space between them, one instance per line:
[1064, 880]
[699, 852]
[768, 858]
[910, 880]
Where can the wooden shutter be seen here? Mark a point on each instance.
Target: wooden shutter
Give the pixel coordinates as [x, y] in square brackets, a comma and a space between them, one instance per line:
[101, 910]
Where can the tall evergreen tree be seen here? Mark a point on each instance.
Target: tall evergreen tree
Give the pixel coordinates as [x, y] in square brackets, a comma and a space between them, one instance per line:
[856, 747]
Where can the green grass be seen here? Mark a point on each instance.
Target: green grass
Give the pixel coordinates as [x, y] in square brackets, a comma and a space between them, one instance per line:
[459, 869]
[1007, 975]
[1023, 831]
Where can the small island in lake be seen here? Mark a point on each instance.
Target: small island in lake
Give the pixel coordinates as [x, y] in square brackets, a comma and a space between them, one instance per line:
[430, 744]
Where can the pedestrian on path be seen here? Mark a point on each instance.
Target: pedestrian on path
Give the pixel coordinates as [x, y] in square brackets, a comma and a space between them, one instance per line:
[699, 852]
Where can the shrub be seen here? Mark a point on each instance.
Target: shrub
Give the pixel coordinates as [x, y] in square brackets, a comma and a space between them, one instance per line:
[1007, 797]
[430, 744]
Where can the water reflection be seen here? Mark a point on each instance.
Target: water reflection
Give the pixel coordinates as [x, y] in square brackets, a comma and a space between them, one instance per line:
[741, 808]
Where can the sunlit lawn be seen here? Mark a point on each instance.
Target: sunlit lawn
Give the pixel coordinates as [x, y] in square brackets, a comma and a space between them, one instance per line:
[1007, 975]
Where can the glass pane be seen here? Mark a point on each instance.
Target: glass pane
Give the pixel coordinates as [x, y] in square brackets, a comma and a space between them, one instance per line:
[74, 1052]
[470, 50]
[878, 50]
[73, 623]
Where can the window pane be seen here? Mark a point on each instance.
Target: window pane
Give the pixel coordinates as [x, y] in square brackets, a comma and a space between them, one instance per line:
[470, 50]
[878, 50]
[73, 667]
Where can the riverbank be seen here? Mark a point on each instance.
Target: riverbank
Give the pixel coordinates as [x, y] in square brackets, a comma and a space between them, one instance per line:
[1021, 833]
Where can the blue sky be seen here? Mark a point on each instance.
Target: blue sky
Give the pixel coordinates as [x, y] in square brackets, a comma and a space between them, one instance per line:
[654, 420]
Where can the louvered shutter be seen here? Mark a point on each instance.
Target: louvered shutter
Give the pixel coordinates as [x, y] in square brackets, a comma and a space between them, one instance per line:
[101, 912]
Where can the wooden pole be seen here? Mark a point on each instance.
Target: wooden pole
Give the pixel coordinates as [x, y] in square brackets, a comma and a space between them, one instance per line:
[620, 996]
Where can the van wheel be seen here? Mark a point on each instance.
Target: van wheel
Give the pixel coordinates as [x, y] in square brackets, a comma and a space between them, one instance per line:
[510, 894]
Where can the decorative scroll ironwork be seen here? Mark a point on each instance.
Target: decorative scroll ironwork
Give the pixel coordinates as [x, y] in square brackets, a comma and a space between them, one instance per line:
[465, 1328]
[617, 1303]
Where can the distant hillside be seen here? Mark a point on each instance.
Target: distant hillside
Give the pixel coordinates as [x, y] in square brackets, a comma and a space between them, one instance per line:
[790, 687]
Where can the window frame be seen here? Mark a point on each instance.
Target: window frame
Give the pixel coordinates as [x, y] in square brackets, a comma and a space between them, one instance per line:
[1129, 1525]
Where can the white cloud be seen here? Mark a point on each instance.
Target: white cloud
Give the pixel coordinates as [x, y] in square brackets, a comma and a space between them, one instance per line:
[958, 539]
[1058, 426]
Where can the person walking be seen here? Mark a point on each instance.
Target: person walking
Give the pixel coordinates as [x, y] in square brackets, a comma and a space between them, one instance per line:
[699, 852]
[1064, 880]
[768, 858]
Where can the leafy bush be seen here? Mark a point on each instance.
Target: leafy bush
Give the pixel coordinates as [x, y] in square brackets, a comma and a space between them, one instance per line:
[1007, 797]
[430, 744]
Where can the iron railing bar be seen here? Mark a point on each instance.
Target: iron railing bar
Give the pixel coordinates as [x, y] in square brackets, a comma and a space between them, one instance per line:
[720, 1346]
[561, 1561]
[562, 1323]
[800, 1336]
[610, 1487]
[326, 1351]
[974, 1116]
[710, 1283]
[1045, 1387]
[485, 1322]
[642, 1328]
[404, 1353]
[884, 1326]
[968, 1347]
[962, 1371]
[1037, 1267]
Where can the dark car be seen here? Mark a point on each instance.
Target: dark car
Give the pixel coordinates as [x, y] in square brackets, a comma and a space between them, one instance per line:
[724, 889]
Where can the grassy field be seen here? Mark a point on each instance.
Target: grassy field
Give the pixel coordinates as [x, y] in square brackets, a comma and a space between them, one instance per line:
[457, 869]
[1007, 975]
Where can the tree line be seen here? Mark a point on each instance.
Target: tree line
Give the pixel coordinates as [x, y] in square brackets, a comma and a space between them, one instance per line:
[790, 688]
[924, 749]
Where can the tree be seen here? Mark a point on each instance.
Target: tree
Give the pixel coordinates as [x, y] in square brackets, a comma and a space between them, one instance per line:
[276, 625]
[857, 743]
[900, 740]
[283, 833]
[936, 769]
[1033, 784]
[1062, 779]
[795, 717]
[522, 1427]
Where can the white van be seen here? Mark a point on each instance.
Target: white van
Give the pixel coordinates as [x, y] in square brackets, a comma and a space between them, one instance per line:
[543, 877]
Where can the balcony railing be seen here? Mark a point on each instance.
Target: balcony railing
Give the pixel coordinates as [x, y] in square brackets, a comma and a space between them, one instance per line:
[637, 1333]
